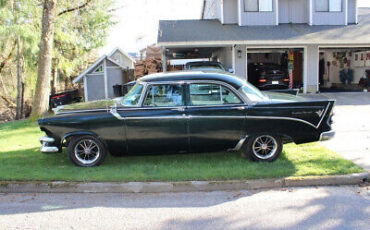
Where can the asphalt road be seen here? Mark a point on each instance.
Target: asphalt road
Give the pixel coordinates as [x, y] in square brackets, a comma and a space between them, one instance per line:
[346, 207]
[352, 126]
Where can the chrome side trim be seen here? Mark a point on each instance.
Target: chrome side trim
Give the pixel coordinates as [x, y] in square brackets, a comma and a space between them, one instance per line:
[323, 115]
[327, 135]
[282, 118]
[224, 117]
[239, 144]
[82, 111]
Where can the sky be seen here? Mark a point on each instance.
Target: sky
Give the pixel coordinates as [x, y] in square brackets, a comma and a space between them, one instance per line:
[138, 20]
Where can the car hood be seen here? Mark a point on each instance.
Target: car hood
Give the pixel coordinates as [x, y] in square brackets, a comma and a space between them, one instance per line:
[91, 105]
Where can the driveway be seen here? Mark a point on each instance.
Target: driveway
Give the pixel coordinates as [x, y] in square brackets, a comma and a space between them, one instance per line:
[352, 126]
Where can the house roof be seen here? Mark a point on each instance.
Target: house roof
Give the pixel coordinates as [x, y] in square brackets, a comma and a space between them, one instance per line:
[122, 52]
[212, 32]
[93, 66]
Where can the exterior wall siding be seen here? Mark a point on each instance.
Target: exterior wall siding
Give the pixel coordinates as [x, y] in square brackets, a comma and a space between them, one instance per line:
[212, 9]
[114, 77]
[224, 55]
[230, 11]
[352, 5]
[240, 63]
[328, 18]
[95, 86]
[293, 11]
[257, 18]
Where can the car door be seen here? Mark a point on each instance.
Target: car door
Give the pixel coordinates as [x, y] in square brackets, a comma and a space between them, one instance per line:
[216, 116]
[159, 125]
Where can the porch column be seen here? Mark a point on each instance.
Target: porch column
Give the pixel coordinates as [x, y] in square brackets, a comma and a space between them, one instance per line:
[164, 59]
[311, 69]
[240, 61]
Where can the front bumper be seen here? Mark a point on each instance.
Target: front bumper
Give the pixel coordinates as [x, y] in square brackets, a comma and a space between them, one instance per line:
[46, 145]
[327, 135]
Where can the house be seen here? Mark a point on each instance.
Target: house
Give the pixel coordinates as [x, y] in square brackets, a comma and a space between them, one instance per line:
[107, 71]
[314, 39]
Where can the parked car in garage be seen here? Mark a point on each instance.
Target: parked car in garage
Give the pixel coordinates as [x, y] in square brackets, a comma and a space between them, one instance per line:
[268, 76]
[204, 66]
[187, 112]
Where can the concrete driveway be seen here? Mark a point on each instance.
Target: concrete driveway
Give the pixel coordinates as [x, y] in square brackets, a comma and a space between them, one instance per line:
[352, 126]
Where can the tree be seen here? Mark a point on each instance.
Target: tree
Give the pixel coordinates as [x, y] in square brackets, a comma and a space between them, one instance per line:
[40, 103]
[49, 21]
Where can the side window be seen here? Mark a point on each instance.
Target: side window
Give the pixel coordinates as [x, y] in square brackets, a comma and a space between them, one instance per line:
[212, 94]
[164, 95]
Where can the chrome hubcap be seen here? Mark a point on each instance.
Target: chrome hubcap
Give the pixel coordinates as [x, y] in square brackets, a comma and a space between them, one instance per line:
[87, 151]
[264, 147]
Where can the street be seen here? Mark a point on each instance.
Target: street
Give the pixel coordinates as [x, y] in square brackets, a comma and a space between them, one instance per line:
[345, 207]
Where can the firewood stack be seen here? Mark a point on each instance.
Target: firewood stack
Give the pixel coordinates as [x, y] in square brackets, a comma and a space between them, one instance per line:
[148, 66]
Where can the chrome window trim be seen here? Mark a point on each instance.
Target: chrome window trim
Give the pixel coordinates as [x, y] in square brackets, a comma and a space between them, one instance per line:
[161, 83]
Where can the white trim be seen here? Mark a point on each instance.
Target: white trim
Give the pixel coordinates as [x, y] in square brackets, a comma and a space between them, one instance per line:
[345, 12]
[240, 12]
[77, 79]
[105, 79]
[233, 59]
[114, 67]
[310, 16]
[277, 12]
[164, 59]
[259, 42]
[356, 12]
[246, 63]
[222, 11]
[85, 89]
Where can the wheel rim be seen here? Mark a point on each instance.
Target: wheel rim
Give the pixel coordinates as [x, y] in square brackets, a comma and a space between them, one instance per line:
[87, 151]
[264, 147]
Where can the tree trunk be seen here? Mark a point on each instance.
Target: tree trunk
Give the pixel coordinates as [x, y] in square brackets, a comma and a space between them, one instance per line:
[19, 110]
[40, 103]
[54, 73]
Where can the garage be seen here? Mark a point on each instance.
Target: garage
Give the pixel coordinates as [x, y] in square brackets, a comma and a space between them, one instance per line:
[275, 69]
[344, 69]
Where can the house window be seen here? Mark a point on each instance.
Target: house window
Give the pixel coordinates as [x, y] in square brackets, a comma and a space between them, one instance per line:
[258, 5]
[99, 69]
[328, 5]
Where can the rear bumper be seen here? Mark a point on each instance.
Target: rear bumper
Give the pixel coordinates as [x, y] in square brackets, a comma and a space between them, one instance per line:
[327, 135]
[47, 145]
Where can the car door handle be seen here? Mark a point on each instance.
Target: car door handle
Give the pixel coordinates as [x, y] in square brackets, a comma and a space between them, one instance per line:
[180, 109]
[241, 108]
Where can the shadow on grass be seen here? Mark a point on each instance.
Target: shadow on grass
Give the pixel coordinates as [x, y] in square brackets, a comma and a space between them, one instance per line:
[30, 164]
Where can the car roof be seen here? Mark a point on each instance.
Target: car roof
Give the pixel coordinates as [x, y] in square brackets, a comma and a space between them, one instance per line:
[230, 79]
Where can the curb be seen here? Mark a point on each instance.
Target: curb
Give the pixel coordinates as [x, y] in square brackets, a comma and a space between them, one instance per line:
[181, 186]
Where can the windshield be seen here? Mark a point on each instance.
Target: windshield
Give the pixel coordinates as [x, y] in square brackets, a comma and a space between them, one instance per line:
[253, 94]
[133, 96]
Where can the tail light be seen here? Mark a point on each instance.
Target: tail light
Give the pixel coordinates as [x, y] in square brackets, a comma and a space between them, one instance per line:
[286, 79]
[262, 80]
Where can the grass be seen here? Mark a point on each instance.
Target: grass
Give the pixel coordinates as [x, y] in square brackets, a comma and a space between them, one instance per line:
[20, 159]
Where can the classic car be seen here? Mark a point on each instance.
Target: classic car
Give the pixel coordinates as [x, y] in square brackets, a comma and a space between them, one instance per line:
[182, 112]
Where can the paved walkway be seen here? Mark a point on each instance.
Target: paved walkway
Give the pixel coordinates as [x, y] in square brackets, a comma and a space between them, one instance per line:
[346, 207]
[352, 126]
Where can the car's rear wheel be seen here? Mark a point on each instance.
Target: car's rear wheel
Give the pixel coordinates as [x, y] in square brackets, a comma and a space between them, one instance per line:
[264, 147]
[86, 151]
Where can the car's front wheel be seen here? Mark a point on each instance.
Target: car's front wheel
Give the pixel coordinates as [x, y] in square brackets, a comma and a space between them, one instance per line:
[86, 151]
[264, 147]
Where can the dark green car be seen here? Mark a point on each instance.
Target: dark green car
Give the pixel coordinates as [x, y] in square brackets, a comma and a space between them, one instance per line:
[187, 112]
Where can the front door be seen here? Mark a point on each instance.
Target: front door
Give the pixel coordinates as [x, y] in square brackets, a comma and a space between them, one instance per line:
[216, 117]
[159, 125]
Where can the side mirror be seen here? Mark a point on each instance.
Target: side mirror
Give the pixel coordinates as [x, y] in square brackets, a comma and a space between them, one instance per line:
[231, 70]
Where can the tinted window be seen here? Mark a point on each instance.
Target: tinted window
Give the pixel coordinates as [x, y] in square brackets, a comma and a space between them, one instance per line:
[164, 95]
[211, 94]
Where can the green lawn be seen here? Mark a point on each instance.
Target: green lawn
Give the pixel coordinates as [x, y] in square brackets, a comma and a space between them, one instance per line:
[20, 159]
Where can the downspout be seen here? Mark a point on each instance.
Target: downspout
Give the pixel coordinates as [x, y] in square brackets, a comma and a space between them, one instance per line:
[203, 9]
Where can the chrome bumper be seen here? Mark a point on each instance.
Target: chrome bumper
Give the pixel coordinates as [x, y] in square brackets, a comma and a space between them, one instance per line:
[327, 135]
[46, 147]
